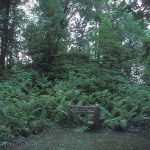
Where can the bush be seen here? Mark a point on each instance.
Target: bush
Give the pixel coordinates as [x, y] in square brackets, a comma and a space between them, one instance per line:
[35, 102]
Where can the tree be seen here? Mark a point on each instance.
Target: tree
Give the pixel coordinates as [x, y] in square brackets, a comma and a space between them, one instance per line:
[10, 19]
[141, 10]
[47, 37]
[146, 61]
[4, 37]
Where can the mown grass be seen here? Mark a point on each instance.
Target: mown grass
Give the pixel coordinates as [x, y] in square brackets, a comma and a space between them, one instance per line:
[65, 139]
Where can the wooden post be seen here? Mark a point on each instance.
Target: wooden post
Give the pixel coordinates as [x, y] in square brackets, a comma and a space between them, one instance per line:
[69, 116]
[97, 117]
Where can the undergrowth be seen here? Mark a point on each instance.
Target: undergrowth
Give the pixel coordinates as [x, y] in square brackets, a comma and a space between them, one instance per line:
[29, 102]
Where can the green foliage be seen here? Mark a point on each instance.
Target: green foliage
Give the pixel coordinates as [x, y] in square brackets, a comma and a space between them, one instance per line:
[107, 43]
[21, 110]
[35, 102]
[5, 135]
[48, 36]
[120, 106]
[107, 51]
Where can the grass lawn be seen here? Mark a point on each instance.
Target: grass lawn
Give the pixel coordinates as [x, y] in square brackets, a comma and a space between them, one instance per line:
[66, 139]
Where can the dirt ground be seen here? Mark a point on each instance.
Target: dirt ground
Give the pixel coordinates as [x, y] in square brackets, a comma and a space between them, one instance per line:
[67, 139]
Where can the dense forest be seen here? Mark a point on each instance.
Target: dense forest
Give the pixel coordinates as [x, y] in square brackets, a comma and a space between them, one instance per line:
[83, 52]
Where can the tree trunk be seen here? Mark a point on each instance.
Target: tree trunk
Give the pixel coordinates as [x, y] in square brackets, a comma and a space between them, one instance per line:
[5, 36]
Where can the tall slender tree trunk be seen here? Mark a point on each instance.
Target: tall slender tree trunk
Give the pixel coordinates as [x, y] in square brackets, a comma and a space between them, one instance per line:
[5, 37]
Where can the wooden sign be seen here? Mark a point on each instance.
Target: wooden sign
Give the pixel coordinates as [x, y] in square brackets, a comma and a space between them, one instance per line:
[80, 110]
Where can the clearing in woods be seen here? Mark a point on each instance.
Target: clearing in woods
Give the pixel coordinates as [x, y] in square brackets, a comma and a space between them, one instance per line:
[66, 139]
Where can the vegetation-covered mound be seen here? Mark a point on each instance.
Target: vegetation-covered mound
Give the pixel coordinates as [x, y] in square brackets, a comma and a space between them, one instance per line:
[30, 102]
[86, 52]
